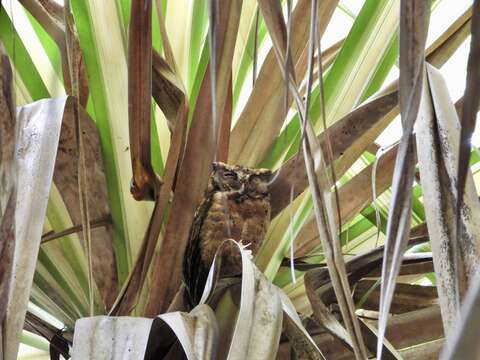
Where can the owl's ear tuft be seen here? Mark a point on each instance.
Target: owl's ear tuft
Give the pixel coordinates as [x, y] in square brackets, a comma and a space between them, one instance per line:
[265, 174]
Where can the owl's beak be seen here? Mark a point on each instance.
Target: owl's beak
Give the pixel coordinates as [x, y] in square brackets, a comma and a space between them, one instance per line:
[243, 189]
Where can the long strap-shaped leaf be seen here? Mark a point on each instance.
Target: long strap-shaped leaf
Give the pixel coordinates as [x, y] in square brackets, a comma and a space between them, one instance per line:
[320, 290]
[36, 150]
[136, 279]
[331, 246]
[319, 187]
[463, 340]
[374, 28]
[108, 85]
[167, 90]
[264, 112]
[414, 17]
[355, 131]
[197, 332]
[438, 133]
[358, 190]
[8, 191]
[255, 334]
[46, 13]
[469, 117]
[68, 252]
[251, 337]
[59, 342]
[194, 169]
[115, 338]
[145, 184]
[342, 134]
[73, 57]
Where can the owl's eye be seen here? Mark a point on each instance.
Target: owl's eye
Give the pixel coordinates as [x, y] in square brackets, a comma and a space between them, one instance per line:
[230, 180]
[230, 175]
[258, 185]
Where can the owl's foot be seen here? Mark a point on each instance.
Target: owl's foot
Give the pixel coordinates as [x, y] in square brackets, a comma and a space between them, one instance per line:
[245, 248]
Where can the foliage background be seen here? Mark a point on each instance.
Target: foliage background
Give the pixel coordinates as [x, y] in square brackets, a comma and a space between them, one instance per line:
[39, 75]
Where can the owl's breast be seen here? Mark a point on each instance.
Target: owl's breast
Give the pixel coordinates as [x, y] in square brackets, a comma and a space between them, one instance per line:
[245, 221]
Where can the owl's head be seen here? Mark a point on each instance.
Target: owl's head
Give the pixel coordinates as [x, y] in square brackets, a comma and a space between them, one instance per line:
[236, 179]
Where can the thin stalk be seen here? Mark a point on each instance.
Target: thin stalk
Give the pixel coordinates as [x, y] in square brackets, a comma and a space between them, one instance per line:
[72, 54]
[103, 221]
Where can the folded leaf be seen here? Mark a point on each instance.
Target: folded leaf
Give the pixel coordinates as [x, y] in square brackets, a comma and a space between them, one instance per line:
[39, 125]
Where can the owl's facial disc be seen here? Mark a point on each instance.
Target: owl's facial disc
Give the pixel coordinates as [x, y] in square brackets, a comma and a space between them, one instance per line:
[257, 186]
[225, 178]
[231, 181]
[246, 182]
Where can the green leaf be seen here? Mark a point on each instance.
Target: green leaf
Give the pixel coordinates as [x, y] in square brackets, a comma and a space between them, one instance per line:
[21, 59]
[364, 48]
[108, 85]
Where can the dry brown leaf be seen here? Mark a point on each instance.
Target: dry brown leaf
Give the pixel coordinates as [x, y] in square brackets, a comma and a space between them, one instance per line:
[51, 16]
[167, 90]
[194, 168]
[358, 138]
[342, 134]
[320, 292]
[136, 280]
[414, 19]
[225, 125]
[262, 117]
[145, 184]
[318, 181]
[354, 196]
[66, 179]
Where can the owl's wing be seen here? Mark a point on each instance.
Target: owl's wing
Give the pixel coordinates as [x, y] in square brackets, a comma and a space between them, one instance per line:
[195, 272]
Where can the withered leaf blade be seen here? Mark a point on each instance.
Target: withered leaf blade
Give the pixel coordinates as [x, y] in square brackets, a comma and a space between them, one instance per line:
[169, 94]
[66, 179]
[167, 91]
[54, 9]
[366, 122]
[194, 168]
[59, 342]
[73, 57]
[436, 185]
[225, 125]
[342, 134]
[321, 295]
[463, 342]
[262, 117]
[414, 18]
[320, 310]
[101, 337]
[136, 280]
[445, 46]
[8, 186]
[51, 16]
[319, 184]
[39, 130]
[145, 184]
[53, 26]
[469, 115]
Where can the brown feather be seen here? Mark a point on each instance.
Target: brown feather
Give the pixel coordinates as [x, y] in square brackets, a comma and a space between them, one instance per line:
[236, 206]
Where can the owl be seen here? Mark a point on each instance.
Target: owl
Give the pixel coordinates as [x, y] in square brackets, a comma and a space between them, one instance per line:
[236, 206]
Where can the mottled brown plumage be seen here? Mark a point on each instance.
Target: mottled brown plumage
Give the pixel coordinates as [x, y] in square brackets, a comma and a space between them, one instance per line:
[236, 206]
